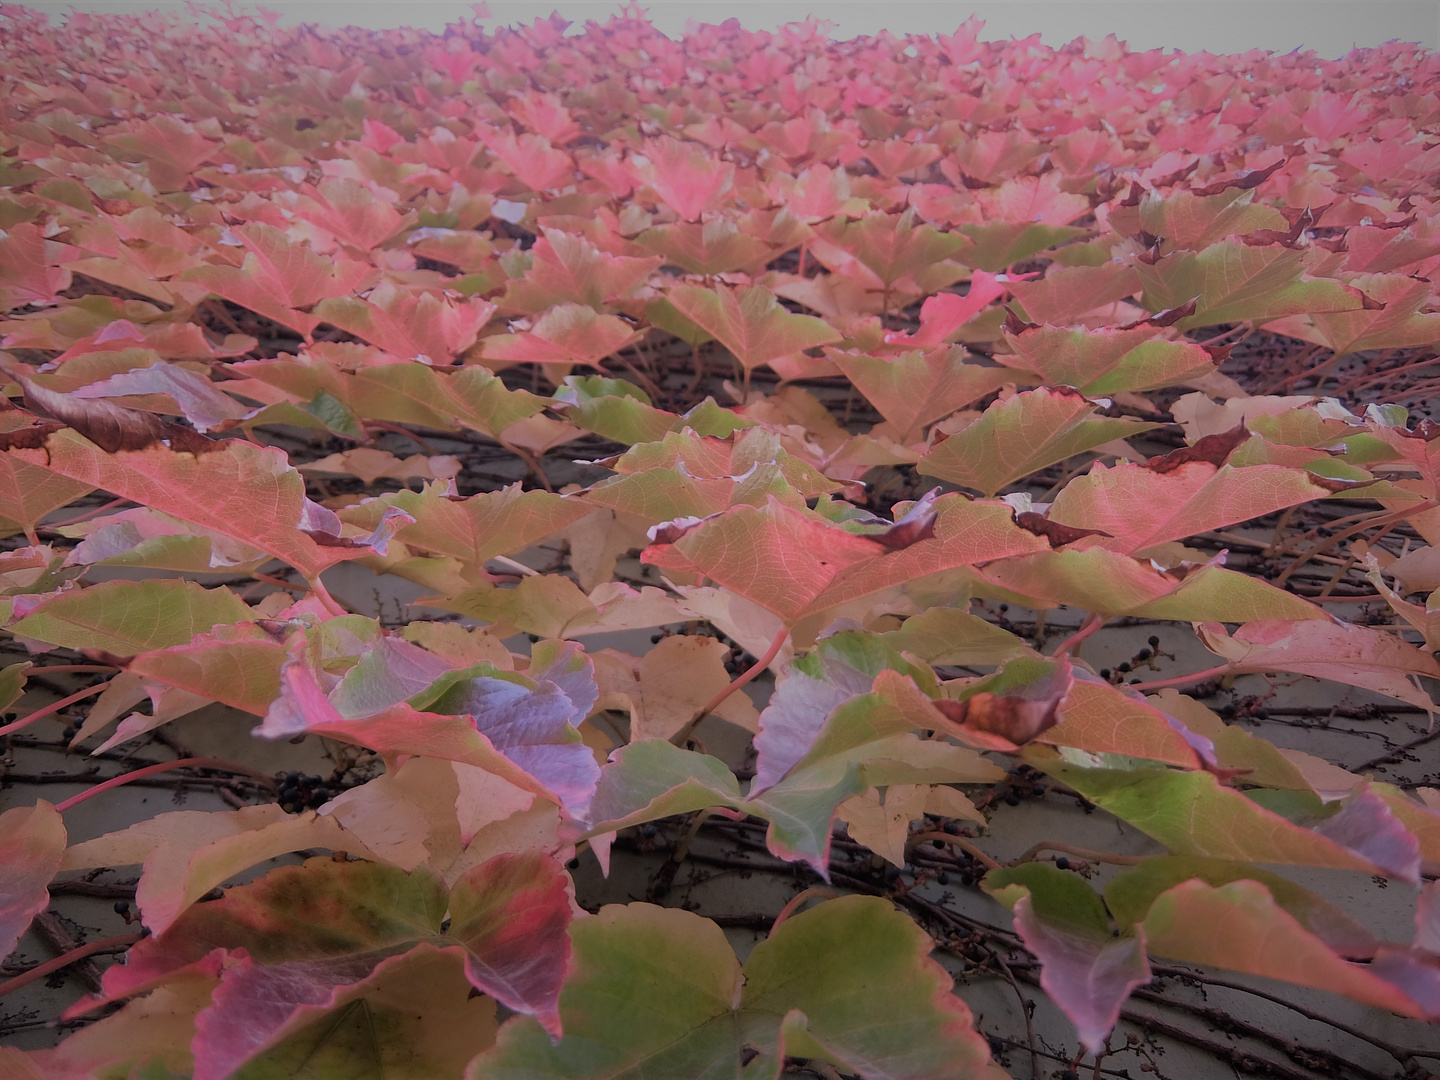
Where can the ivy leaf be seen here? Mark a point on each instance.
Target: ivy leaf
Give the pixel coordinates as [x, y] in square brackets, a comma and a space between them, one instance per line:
[1106, 361]
[1143, 506]
[280, 276]
[1085, 970]
[565, 334]
[1112, 584]
[30, 492]
[477, 528]
[32, 841]
[750, 322]
[570, 269]
[777, 556]
[534, 718]
[1260, 938]
[1332, 649]
[1236, 282]
[1131, 892]
[238, 665]
[129, 617]
[301, 935]
[411, 1018]
[1021, 435]
[427, 327]
[682, 174]
[1067, 292]
[186, 853]
[1191, 814]
[244, 491]
[918, 387]
[658, 992]
[892, 245]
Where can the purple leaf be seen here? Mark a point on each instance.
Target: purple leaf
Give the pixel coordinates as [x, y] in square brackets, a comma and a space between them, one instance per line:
[1089, 977]
[1365, 825]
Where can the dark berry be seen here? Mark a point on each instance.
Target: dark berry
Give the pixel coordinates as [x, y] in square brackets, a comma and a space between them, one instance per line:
[1104, 673]
[292, 777]
[648, 831]
[1226, 711]
[1154, 641]
[943, 878]
[966, 880]
[655, 638]
[1144, 654]
[320, 796]
[573, 864]
[952, 828]
[1004, 608]
[1040, 789]
[1012, 799]
[1123, 666]
[1069, 1074]
[659, 891]
[937, 843]
[892, 873]
[1062, 863]
[122, 907]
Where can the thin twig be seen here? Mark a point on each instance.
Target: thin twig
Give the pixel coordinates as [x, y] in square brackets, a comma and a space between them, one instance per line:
[109, 944]
[151, 770]
[53, 708]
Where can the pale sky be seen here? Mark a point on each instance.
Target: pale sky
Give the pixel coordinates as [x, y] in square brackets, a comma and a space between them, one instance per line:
[1220, 26]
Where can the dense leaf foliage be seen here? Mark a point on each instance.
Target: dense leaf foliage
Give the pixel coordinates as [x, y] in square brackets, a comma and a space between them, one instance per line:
[863, 347]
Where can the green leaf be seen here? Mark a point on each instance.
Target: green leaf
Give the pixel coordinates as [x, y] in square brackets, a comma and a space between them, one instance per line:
[919, 386]
[750, 322]
[1021, 435]
[997, 245]
[892, 245]
[1131, 892]
[474, 529]
[412, 1018]
[129, 617]
[1192, 814]
[1240, 926]
[1112, 584]
[1108, 360]
[1234, 282]
[310, 933]
[657, 992]
[949, 636]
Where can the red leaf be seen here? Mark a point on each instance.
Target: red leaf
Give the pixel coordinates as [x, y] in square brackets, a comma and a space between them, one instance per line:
[32, 841]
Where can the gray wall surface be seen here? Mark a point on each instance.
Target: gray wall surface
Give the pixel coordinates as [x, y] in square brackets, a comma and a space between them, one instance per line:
[1331, 29]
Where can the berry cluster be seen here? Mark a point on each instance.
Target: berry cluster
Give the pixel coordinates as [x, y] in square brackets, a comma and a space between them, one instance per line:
[301, 792]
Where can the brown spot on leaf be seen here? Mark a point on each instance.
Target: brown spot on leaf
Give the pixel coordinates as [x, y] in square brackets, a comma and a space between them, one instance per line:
[1059, 535]
[1213, 449]
[1014, 324]
[1251, 179]
[29, 438]
[1171, 179]
[112, 427]
[917, 524]
[1169, 316]
[998, 720]
[1428, 430]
